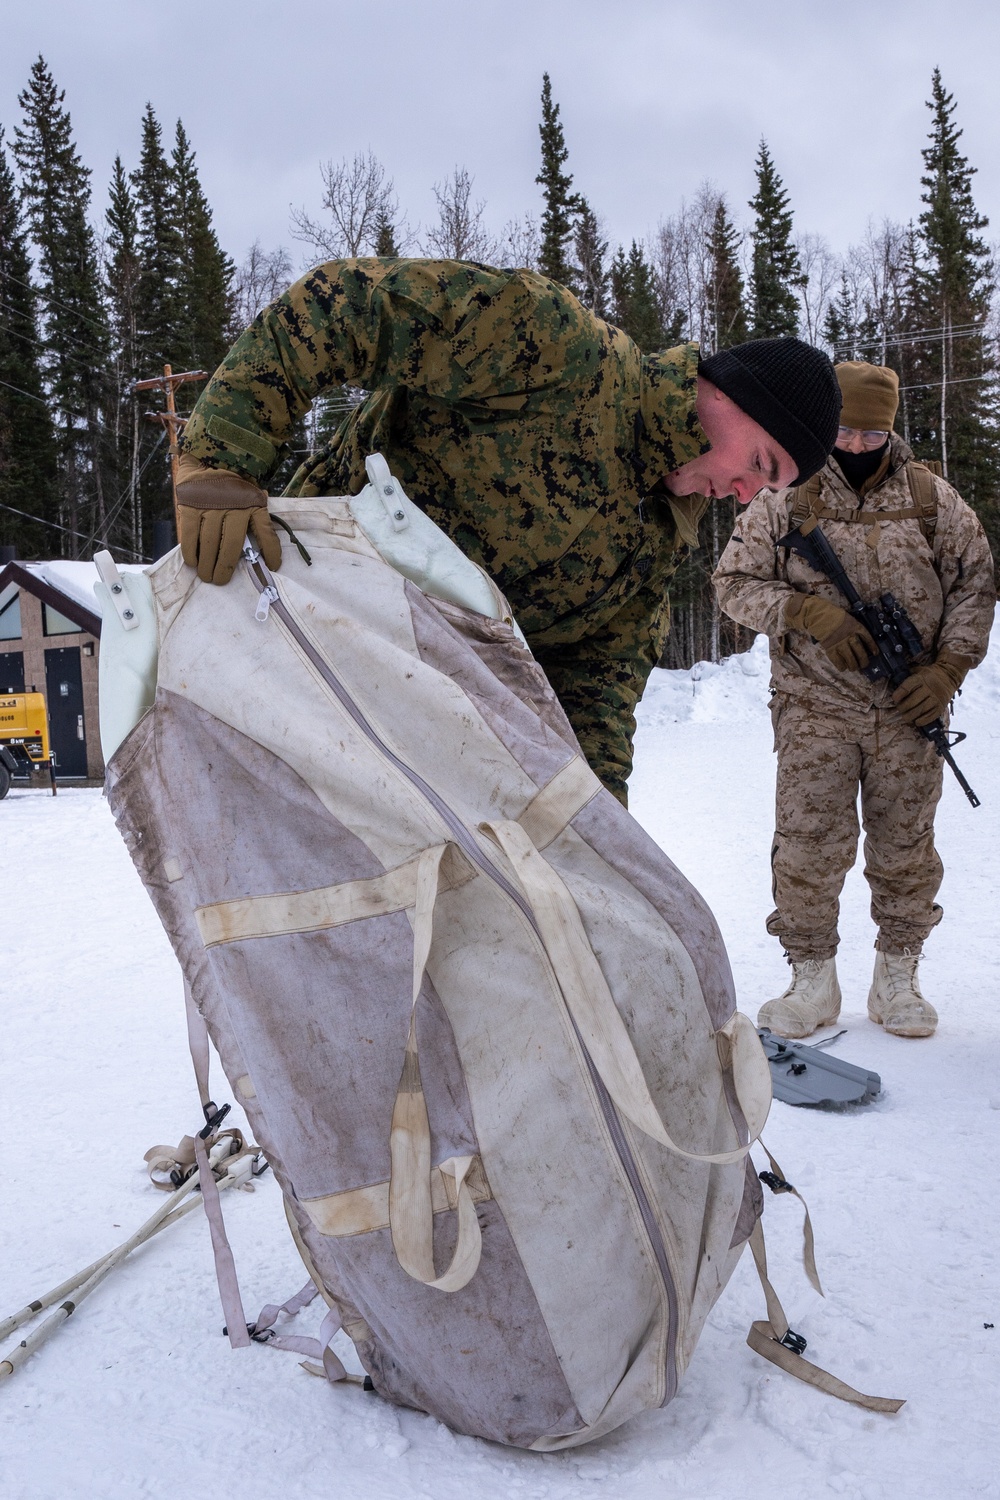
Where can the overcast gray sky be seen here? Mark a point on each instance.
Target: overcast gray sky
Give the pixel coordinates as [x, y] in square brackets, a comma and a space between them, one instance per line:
[656, 96]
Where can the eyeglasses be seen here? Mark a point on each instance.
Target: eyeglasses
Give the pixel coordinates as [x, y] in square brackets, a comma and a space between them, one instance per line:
[870, 439]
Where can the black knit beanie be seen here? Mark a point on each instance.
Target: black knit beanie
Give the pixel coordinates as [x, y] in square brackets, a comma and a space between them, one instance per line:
[789, 388]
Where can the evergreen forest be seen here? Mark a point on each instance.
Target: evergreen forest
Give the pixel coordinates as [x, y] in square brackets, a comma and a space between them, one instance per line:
[101, 288]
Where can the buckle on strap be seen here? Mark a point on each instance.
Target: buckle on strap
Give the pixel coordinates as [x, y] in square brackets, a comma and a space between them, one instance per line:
[793, 1341]
[214, 1116]
[775, 1183]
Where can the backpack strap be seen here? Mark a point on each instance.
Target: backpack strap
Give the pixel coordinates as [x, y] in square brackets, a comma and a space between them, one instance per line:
[920, 477]
[804, 500]
[923, 492]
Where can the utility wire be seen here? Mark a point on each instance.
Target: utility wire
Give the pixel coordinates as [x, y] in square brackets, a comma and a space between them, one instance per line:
[77, 359]
[935, 385]
[118, 505]
[41, 521]
[48, 297]
[50, 405]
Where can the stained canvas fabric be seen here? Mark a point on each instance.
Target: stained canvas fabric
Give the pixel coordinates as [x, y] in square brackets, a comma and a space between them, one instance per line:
[483, 1028]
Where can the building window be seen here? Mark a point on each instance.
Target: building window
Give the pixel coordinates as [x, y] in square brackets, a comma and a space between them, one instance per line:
[10, 619]
[58, 624]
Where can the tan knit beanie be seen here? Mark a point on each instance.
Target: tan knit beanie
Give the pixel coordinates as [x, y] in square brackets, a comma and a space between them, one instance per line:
[871, 395]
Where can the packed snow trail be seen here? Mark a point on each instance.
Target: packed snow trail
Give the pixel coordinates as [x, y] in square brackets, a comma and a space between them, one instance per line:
[139, 1394]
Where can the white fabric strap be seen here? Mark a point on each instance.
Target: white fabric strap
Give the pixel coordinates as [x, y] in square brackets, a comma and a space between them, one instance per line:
[366, 1209]
[198, 1041]
[288, 912]
[225, 1266]
[411, 1206]
[559, 801]
[597, 1018]
[765, 1339]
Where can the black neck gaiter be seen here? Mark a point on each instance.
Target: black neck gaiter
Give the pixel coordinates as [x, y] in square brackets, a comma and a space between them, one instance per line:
[857, 467]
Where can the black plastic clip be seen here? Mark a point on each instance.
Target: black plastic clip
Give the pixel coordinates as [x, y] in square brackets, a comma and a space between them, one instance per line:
[369, 1384]
[214, 1116]
[259, 1165]
[794, 1341]
[775, 1183]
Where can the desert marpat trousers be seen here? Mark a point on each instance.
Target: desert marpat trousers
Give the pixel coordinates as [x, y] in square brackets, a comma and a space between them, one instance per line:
[826, 753]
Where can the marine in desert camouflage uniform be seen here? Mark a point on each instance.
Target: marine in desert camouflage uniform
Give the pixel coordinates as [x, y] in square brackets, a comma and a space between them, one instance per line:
[533, 433]
[836, 731]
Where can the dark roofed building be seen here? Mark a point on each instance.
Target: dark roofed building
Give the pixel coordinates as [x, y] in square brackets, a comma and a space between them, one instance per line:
[50, 634]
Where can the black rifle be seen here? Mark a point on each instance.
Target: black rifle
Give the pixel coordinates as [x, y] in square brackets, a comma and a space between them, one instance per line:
[897, 640]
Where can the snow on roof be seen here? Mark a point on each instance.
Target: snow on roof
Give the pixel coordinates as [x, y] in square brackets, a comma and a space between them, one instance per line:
[75, 579]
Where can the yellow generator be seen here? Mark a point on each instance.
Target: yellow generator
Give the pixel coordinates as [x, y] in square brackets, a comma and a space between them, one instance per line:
[24, 739]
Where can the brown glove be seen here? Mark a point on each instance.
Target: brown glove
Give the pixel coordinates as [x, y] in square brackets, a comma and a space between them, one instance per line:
[215, 509]
[844, 639]
[926, 693]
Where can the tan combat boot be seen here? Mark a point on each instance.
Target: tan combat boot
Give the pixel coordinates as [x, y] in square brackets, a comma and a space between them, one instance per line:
[811, 1000]
[895, 1001]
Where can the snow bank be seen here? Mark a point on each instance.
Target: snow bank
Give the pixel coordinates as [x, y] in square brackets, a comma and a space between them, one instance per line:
[736, 690]
[723, 692]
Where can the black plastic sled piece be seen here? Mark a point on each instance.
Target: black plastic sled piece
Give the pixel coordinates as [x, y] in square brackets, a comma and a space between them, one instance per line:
[810, 1076]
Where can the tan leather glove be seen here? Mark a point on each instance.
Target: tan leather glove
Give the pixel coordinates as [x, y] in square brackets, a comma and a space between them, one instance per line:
[844, 639]
[215, 509]
[926, 693]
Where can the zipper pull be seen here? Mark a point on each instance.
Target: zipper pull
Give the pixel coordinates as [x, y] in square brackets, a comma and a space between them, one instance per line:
[268, 596]
[255, 567]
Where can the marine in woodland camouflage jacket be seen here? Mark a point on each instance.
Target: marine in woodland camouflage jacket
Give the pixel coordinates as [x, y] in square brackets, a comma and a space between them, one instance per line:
[944, 583]
[533, 433]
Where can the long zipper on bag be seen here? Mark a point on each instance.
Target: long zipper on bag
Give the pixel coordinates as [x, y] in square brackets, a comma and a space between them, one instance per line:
[269, 601]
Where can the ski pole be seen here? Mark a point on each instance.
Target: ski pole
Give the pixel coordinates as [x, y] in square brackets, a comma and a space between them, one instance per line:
[89, 1279]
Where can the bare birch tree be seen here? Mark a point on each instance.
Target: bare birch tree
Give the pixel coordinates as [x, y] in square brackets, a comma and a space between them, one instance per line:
[682, 265]
[820, 272]
[460, 233]
[262, 277]
[359, 198]
[520, 243]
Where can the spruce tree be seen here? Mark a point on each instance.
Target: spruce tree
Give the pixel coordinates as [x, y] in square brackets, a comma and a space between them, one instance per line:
[635, 308]
[160, 333]
[55, 190]
[158, 294]
[594, 280]
[27, 446]
[561, 206]
[775, 272]
[724, 291]
[123, 269]
[905, 356]
[205, 272]
[385, 234]
[953, 412]
[850, 327]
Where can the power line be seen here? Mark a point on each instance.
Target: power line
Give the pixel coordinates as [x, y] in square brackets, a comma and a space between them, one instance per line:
[935, 385]
[119, 504]
[49, 405]
[48, 297]
[76, 359]
[932, 336]
[41, 521]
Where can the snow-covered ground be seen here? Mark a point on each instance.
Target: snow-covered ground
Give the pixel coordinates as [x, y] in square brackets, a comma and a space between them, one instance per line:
[140, 1396]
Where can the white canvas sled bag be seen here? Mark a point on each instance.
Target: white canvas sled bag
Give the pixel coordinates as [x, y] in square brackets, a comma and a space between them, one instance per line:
[483, 1028]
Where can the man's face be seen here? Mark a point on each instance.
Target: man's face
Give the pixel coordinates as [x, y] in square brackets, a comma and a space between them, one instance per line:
[743, 457]
[859, 440]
